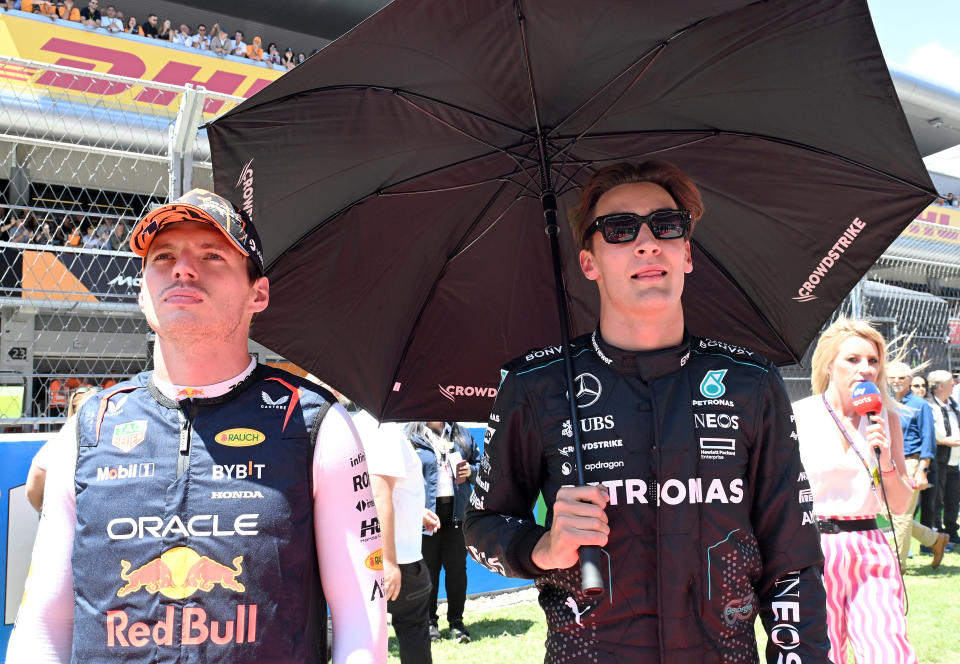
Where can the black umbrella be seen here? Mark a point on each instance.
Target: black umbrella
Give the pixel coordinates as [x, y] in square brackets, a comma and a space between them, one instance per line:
[396, 178]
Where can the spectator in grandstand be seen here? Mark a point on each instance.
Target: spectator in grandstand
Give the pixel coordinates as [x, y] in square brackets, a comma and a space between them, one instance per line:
[68, 11]
[272, 55]
[8, 221]
[111, 22]
[183, 37]
[201, 40]
[118, 237]
[919, 442]
[165, 33]
[90, 15]
[72, 236]
[919, 386]
[44, 234]
[220, 44]
[9, 4]
[132, 26]
[37, 475]
[42, 7]
[288, 60]
[91, 240]
[103, 236]
[952, 200]
[255, 50]
[25, 229]
[149, 27]
[237, 46]
[946, 424]
[301, 58]
[836, 449]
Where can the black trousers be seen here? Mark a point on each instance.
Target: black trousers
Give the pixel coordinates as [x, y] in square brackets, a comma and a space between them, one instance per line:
[948, 497]
[411, 613]
[928, 516]
[445, 548]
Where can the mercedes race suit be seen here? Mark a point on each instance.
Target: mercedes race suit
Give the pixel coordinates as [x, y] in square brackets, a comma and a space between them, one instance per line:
[710, 510]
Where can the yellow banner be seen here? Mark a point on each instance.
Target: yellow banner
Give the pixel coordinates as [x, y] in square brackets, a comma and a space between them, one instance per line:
[942, 225]
[30, 37]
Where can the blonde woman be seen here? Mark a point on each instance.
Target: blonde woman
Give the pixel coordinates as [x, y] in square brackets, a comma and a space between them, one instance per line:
[848, 481]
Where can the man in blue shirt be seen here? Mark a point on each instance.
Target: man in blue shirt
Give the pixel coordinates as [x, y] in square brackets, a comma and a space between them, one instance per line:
[919, 446]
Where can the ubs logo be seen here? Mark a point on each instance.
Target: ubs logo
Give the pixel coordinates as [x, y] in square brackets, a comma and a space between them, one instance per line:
[588, 389]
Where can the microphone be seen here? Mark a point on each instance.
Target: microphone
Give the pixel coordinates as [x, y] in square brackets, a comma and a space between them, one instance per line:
[867, 401]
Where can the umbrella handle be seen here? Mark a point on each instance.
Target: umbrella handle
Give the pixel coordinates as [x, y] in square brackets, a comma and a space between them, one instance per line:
[590, 575]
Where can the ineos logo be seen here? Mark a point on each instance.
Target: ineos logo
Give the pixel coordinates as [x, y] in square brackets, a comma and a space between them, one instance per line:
[588, 389]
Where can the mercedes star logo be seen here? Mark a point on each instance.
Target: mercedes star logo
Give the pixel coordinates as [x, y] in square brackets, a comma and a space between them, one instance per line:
[588, 389]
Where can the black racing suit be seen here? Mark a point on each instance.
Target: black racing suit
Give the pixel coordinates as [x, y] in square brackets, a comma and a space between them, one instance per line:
[709, 511]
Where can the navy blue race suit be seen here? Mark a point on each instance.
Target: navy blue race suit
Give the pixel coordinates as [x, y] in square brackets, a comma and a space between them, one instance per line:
[710, 510]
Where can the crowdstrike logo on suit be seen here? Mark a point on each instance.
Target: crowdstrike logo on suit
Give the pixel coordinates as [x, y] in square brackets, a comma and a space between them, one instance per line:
[819, 273]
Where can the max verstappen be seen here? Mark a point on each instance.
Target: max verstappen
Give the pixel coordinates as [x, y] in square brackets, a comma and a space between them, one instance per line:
[695, 486]
[205, 511]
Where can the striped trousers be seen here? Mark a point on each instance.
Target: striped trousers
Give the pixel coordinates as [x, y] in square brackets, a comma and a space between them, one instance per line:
[864, 599]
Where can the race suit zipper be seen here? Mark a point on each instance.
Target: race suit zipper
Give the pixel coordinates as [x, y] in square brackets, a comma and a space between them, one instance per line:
[186, 430]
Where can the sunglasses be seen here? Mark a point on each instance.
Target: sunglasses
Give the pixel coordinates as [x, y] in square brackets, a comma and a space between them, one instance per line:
[622, 227]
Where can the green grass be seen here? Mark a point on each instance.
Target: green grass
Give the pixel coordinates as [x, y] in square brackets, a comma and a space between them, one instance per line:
[515, 634]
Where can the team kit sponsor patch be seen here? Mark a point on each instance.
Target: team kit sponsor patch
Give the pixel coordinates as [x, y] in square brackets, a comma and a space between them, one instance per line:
[128, 435]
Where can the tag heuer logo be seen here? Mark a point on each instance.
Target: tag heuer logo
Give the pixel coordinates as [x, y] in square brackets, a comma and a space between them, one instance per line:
[128, 435]
[279, 403]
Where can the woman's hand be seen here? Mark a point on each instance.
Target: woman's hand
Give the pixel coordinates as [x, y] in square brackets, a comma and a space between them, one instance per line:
[878, 440]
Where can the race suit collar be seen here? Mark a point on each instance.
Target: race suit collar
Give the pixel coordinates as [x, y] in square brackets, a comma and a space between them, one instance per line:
[648, 364]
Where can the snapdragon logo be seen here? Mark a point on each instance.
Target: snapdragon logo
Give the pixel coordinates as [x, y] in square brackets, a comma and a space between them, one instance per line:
[245, 184]
[819, 273]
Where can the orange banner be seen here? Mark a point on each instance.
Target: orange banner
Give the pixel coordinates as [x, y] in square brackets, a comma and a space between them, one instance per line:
[30, 37]
[947, 228]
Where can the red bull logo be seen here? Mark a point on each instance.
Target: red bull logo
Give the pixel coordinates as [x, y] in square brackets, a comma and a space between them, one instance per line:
[179, 573]
[240, 437]
[196, 628]
[189, 393]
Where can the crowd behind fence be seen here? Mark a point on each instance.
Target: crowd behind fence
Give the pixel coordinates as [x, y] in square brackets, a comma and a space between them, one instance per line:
[76, 178]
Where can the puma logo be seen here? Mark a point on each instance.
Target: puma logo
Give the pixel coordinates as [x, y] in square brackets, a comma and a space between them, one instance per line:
[572, 603]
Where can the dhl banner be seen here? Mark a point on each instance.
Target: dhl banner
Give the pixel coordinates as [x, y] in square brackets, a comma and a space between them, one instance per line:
[27, 37]
[947, 227]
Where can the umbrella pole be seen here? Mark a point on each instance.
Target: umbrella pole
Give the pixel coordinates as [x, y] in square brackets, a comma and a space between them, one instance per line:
[590, 575]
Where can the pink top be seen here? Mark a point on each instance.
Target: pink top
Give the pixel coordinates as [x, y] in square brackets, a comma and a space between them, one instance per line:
[841, 485]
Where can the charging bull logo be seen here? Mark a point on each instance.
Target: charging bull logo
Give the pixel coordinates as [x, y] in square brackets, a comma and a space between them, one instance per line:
[179, 573]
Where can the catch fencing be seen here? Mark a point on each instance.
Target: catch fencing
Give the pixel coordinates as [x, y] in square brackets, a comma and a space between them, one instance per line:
[79, 165]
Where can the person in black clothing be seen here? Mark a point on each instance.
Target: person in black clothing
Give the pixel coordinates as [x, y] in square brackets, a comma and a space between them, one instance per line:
[449, 456]
[149, 27]
[90, 15]
[695, 487]
[946, 424]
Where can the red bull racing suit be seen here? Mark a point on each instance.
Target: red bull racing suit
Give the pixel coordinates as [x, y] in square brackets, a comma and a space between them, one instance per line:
[709, 510]
[205, 525]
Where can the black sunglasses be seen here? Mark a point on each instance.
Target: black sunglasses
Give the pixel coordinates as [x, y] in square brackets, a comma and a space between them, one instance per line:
[625, 226]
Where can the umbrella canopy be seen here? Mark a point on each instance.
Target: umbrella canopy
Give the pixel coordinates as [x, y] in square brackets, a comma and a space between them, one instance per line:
[396, 179]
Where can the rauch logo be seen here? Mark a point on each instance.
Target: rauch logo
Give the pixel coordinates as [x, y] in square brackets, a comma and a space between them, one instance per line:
[240, 437]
